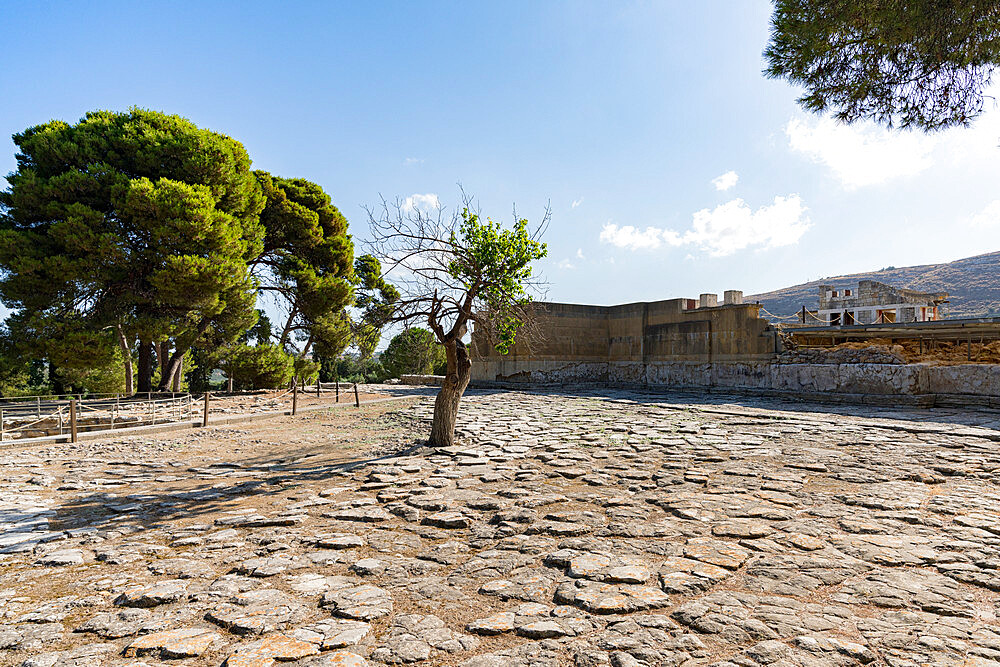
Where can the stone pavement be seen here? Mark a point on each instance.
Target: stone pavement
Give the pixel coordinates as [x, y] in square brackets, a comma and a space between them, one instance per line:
[607, 528]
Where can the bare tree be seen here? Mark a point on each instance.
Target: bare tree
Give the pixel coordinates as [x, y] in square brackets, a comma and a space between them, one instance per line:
[453, 270]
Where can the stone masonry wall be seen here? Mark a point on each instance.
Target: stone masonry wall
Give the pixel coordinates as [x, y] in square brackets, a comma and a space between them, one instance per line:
[728, 348]
[636, 332]
[971, 380]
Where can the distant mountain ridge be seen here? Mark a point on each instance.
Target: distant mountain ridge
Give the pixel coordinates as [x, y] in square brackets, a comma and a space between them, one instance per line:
[973, 285]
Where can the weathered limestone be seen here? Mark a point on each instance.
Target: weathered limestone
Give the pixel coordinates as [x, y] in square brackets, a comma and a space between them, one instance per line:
[606, 529]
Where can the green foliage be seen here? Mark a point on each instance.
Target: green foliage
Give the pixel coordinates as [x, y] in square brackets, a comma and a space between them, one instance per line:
[20, 375]
[67, 342]
[920, 63]
[139, 219]
[375, 299]
[305, 369]
[143, 224]
[307, 261]
[413, 352]
[352, 368]
[198, 369]
[261, 332]
[107, 378]
[257, 366]
[495, 265]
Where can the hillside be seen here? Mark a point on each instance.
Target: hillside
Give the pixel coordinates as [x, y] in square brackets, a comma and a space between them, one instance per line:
[973, 284]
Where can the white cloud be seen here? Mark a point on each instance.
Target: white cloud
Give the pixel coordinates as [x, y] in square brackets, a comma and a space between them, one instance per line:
[988, 217]
[413, 160]
[565, 264]
[735, 226]
[723, 230]
[576, 202]
[579, 253]
[863, 154]
[427, 203]
[726, 181]
[630, 237]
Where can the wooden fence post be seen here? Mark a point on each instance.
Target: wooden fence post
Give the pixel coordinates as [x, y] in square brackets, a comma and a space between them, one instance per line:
[318, 383]
[72, 420]
[295, 397]
[204, 418]
[357, 401]
[1, 424]
[338, 388]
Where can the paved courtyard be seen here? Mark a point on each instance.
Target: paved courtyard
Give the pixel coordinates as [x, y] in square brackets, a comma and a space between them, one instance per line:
[606, 528]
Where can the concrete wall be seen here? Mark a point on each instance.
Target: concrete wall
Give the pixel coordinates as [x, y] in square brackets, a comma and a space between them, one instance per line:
[588, 338]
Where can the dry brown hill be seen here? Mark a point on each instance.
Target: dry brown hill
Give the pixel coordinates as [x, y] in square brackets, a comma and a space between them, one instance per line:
[973, 284]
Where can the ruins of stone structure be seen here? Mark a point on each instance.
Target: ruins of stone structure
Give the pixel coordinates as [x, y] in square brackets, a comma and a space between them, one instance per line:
[624, 343]
[687, 343]
[877, 303]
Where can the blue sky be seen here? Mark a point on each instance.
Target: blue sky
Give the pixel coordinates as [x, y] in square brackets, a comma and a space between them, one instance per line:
[673, 167]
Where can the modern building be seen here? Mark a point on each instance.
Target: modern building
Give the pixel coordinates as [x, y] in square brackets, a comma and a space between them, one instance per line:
[877, 303]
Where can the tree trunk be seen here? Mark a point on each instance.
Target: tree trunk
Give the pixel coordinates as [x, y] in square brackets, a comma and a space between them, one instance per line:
[175, 362]
[446, 403]
[145, 383]
[178, 375]
[163, 357]
[173, 366]
[55, 380]
[127, 361]
[288, 327]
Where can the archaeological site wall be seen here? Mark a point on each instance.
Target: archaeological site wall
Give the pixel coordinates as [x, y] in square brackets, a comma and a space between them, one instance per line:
[573, 342]
[676, 345]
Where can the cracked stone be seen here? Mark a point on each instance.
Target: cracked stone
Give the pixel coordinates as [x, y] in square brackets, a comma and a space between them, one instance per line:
[62, 557]
[363, 603]
[610, 598]
[161, 592]
[180, 643]
[333, 633]
[265, 652]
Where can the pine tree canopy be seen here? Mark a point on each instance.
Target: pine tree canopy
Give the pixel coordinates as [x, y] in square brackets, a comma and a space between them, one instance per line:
[923, 64]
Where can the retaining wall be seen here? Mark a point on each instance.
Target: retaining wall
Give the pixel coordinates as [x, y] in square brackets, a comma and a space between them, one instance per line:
[973, 384]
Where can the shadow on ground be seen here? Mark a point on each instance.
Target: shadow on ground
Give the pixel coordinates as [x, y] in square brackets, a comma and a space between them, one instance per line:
[219, 488]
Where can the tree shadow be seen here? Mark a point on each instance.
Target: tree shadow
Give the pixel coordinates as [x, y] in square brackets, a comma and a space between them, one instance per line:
[224, 486]
[216, 488]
